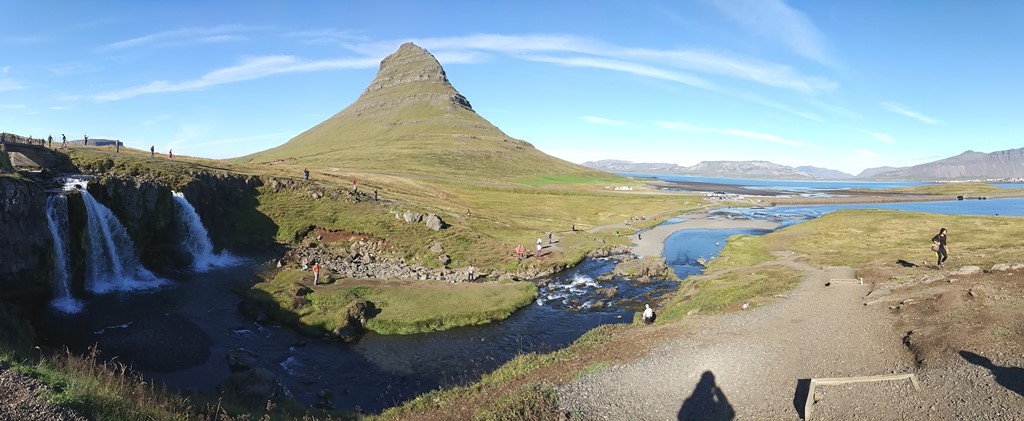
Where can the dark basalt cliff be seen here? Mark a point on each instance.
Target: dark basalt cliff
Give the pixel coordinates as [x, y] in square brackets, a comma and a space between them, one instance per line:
[25, 243]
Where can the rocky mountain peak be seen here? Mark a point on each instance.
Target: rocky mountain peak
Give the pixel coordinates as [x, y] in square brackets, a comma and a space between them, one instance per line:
[410, 74]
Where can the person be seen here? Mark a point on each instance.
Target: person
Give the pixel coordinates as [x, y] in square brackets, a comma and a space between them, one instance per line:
[152, 150]
[117, 146]
[170, 154]
[639, 236]
[374, 195]
[354, 187]
[305, 173]
[520, 252]
[649, 315]
[470, 272]
[3, 138]
[316, 272]
[63, 141]
[86, 140]
[49, 141]
[573, 227]
[549, 238]
[940, 238]
[538, 247]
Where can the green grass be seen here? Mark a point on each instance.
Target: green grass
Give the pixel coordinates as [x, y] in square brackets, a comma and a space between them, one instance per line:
[454, 398]
[532, 402]
[727, 290]
[967, 189]
[406, 307]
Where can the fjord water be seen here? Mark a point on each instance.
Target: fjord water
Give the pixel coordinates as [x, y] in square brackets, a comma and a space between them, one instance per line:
[785, 186]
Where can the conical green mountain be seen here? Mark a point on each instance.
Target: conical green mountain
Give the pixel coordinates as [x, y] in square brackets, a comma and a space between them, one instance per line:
[411, 121]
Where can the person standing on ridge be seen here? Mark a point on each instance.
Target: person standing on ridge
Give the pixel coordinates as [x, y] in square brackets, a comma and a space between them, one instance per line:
[63, 141]
[940, 238]
[170, 154]
[152, 150]
[49, 141]
[86, 140]
[117, 146]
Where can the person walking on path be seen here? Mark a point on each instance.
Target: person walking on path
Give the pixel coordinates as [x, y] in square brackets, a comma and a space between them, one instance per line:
[117, 146]
[940, 238]
[63, 141]
[539, 247]
[152, 150]
[170, 154]
[305, 173]
[316, 272]
[549, 238]
[648, 314]
[49, 141]
[86, 139]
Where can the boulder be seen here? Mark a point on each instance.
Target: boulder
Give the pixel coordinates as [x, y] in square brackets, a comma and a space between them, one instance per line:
[253, 387]
[241, 359]
[353, 320]
[435, 223]
[1000, 267]
[411, 217]
[436, 247]
[967, 270]
[444, 259]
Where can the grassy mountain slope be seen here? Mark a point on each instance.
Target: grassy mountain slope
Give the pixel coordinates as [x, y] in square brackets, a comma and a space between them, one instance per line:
[411, 121]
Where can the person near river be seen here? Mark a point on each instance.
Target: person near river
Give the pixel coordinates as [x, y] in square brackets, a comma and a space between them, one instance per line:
[649, 315]
[316, 272]
[940, 250]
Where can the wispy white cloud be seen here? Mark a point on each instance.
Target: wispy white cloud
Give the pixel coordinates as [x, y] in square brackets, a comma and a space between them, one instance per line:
[183, 36]
[626, 67]
[775, 20]
[10, 85]
[253, 68]
[746, 134]
[901, 109]
[605, 121]
[881, 137]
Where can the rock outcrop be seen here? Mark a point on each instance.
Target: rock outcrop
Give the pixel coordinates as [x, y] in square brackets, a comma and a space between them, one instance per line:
[26, 251]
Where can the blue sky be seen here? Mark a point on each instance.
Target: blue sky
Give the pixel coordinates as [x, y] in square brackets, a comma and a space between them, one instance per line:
[842, 85]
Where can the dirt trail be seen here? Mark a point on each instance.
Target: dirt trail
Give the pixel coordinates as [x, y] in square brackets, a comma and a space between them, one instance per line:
[18, 400]
[748, 365]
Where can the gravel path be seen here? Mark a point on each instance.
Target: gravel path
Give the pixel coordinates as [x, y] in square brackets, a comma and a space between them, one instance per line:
[18, 401]
[748, 365]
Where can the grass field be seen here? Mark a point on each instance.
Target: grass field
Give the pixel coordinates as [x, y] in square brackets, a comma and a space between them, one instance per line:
[406, 307]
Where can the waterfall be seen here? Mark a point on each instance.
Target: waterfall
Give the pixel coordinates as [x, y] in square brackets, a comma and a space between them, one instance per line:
[111, 264]
[57, 219]
[197, 239]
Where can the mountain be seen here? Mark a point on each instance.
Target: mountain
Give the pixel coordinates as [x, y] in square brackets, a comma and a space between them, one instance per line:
[969, 165]
[411, 120]
[618, 166]
[824, 173]
[873, 172]
[728, 169]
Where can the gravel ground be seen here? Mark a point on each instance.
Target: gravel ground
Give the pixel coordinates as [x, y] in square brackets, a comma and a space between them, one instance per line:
[18, 401]
[756, 364]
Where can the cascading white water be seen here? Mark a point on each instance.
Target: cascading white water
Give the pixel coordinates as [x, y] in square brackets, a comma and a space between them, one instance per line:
[197, 239]
[57, 218]
[111, 264]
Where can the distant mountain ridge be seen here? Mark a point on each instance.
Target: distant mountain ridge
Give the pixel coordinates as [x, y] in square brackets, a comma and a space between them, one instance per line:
[969, 165]
[725, 169]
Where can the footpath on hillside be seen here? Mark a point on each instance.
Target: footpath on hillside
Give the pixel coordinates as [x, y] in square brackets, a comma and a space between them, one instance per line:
[19, 399]
[756, 365]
